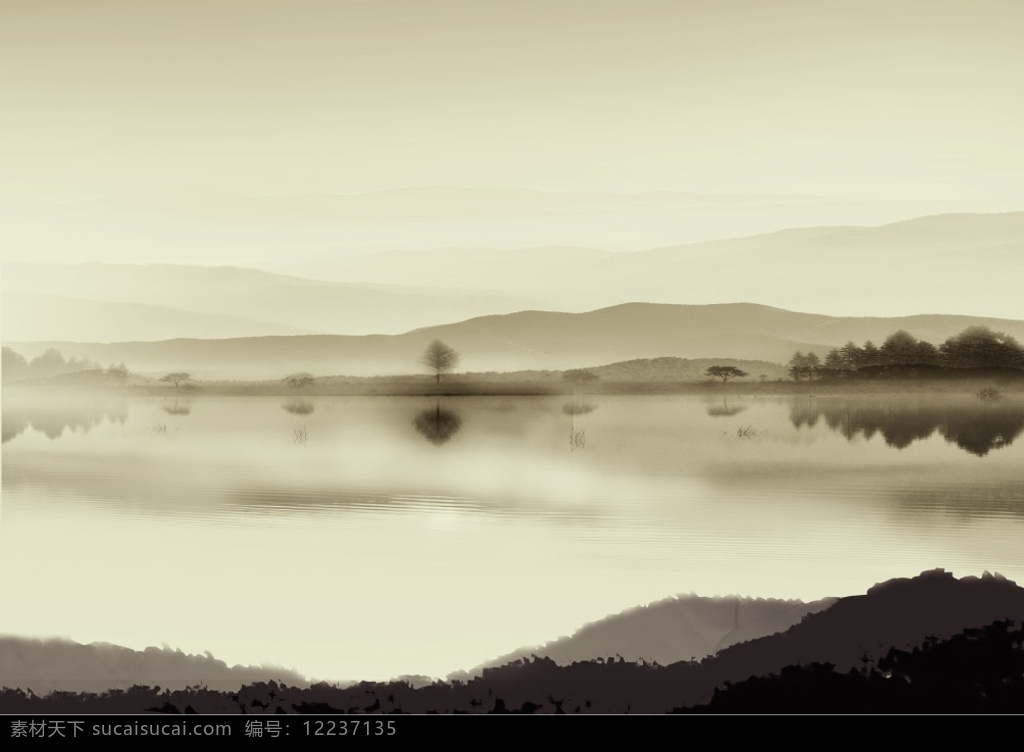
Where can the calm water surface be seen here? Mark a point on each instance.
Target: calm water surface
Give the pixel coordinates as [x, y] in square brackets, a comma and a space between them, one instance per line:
[372, 537]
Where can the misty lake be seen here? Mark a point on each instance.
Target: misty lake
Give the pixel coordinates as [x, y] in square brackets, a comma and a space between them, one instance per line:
[363, 538]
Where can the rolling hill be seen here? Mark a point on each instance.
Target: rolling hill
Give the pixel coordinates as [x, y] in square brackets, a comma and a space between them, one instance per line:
[853, 633]
[527, 340]
[931, 264]
[39, 316]
[62, 665]
[676, 629]
[962, 264]
[118, 302]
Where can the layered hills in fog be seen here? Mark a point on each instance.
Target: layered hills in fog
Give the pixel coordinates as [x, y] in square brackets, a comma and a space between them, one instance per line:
[526, 340]
[116, 302]
[923, 265]
[919, 265]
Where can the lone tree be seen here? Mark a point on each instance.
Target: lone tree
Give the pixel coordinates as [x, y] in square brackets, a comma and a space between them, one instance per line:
[176, 378]
[724, 373]
[439, 358]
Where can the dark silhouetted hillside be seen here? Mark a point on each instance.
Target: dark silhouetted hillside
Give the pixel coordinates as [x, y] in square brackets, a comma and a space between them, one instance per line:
[976, 671]
[859, 633]
[682, 628]
[46, 666]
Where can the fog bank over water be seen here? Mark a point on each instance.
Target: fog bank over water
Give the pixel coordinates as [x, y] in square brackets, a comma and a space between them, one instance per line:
[552, 518]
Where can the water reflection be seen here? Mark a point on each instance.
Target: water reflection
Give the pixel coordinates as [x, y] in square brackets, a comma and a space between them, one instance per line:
[977, 429]
[661, 489]
[437, 425]
[298, 407]
[178, 408]
[577, 436]
[725, 410]
[582, 407]
[54, 418]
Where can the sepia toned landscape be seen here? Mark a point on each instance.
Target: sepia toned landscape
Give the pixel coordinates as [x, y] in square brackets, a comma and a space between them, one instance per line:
[650, 357]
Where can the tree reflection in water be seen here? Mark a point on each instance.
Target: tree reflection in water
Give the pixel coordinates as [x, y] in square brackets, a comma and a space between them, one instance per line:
[177, 408]
[977, 429]
[437, 425]
[578, 437]
[54, 418]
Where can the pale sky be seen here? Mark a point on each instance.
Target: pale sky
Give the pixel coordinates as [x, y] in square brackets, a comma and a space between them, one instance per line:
[136, 105]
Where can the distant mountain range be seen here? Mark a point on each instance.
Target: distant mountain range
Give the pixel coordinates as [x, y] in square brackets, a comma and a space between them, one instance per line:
[194, 225]
[964, 264]
[934, 264]
[121, 302]
[527, 340]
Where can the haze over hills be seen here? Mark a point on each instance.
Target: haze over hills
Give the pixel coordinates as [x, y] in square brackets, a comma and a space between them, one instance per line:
[545, 269]
[53, 317]
[924, 265]
[919, 265]
[112, 302]
[528, 340]
[242, 227]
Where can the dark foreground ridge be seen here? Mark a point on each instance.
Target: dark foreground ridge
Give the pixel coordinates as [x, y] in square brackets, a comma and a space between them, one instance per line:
[51, 665]
[976, 671]
[931, 643]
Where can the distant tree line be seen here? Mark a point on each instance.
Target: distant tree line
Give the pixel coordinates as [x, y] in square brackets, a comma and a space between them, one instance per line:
[52, 363]
[974, 347]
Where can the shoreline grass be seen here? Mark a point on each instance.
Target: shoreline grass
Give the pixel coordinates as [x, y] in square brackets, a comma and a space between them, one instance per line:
[969, 382]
